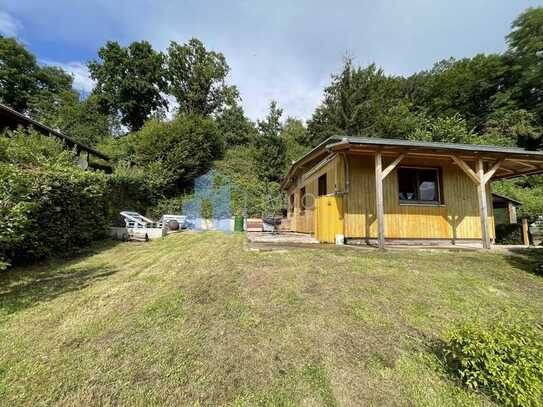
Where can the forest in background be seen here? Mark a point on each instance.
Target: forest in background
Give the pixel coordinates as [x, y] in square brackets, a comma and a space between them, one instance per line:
[168, 117]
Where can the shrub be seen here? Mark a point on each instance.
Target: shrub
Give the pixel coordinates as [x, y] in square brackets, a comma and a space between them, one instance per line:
[509, 233]
[47, 211]
[129, 189]
[503, 359]
[179, 150]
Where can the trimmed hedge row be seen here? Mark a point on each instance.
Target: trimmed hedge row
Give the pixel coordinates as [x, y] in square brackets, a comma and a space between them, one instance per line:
[51, 211]
[45, 212]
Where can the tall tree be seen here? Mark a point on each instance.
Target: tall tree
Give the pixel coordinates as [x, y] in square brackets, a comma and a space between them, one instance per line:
[355, 103]
[295, 138]
[271, 152]
[18, 70]
[525, 53]
[235, 127]
[129, 81]
[196, 77]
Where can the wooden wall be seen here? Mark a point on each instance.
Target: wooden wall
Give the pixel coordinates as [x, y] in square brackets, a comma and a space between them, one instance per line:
[457, 218]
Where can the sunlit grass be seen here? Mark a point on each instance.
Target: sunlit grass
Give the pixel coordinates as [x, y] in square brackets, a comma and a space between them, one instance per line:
[196, 319]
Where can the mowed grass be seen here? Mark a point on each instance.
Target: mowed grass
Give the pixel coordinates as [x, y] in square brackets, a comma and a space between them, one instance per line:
[195, 319]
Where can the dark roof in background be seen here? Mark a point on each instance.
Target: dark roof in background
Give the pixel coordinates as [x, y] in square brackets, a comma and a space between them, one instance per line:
[505, 198]
[10, 118]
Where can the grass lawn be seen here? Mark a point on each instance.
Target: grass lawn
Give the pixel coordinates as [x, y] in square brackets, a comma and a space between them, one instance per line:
[195, 319]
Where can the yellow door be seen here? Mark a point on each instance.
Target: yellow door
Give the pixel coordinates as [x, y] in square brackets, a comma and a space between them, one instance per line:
[328, 218]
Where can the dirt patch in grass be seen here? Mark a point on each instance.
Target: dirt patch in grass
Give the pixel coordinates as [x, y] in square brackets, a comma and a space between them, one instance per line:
[196, 319]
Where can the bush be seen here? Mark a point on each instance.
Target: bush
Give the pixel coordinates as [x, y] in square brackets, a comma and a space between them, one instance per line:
[509, 233]
[503, 359]
[129, 189]
[46, 211]
[177, 151]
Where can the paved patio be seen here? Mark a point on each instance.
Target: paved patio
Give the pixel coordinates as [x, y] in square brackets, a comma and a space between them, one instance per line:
[288, 240]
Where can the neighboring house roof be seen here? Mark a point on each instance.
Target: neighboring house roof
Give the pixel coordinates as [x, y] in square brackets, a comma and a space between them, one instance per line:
[516, 156]
[10, 118]
[502, 198]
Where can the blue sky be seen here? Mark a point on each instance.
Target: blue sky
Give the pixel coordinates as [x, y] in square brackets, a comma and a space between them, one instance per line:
[282, 50]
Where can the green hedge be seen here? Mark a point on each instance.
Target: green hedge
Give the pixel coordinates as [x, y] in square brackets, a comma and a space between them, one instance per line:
[503, 358]
[48, 211]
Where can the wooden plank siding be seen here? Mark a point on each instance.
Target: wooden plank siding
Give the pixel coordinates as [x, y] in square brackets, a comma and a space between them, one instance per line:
[456, 218]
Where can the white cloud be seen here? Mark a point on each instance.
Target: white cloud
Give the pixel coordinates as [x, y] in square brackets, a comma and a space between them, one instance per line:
[82, 80]
[9, 26]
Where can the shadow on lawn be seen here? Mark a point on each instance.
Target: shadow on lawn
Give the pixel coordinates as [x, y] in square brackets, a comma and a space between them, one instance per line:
[28, 286]
[529, 260]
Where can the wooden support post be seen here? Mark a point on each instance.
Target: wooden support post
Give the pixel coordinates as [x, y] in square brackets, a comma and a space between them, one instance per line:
[379, 200]
[483, 211]
[512, 211]
[525, 236]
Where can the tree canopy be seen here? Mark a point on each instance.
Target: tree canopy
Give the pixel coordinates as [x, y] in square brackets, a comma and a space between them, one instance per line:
[129, 81]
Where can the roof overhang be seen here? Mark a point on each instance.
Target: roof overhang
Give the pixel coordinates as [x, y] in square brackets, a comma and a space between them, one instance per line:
[10, 118]
[516, 162]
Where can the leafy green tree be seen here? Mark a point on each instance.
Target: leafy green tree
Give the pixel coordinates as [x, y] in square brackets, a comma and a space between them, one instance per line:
[525, 54]
[295, 137]
[467, 87]
[235, 128]
[177, 151]
[196, 77]
[271, 152]
[18, 70]
[512, 127]
[129, 81]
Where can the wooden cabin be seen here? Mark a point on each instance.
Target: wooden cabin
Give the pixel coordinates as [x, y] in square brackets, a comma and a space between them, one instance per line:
[381, 190]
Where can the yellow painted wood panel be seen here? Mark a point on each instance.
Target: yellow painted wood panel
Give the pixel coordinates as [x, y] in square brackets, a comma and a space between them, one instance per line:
[328, 218]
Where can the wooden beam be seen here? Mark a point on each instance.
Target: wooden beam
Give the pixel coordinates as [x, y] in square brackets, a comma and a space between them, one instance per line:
[525, 235]
[529, 166]
[483, 210]
[490, 173]
[392, 165]
[512, 211]
[467, 169]
[379, 200]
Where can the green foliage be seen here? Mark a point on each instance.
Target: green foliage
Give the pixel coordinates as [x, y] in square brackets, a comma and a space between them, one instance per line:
[18, 71]
[508, 233]
[129, 81]
[196, 77]
[249, 192]
[503, 359]
[31, 149]
[524, 55]
[129, 189]
[295, 137]
[528, 190]
[466, 87]
[173, 205]
[271, 152]
[46, 212]
[355, 102]
[49, 206]
[174, 153]
[234, 127]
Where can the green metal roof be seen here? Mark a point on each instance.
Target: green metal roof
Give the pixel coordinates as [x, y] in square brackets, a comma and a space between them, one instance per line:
[473, 148]
[384, 142]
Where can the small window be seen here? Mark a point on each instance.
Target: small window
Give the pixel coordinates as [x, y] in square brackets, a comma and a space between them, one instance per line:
[302, 199]
[418, 185]
[322, 185]
[292, 202]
